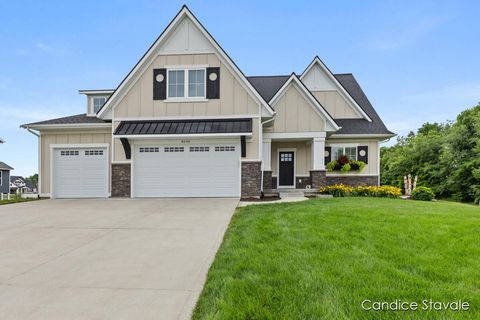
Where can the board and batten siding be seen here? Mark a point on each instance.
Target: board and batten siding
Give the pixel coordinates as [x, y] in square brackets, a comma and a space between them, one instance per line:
[234, 99]
[335, 104]
[295, 114]
[67, 137]
[372, 167]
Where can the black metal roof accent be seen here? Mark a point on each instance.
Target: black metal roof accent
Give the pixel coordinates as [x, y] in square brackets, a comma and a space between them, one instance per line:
[167, 127]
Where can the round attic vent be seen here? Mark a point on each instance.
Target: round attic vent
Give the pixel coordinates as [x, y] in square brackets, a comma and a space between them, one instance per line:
[362, 153]
[212, 76]
[159, 77]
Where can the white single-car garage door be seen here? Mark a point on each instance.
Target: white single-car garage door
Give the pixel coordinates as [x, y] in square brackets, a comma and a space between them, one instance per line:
[187, 170]
[80, 173]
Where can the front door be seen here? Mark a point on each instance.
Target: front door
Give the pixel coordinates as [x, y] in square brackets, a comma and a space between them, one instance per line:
[286, 169]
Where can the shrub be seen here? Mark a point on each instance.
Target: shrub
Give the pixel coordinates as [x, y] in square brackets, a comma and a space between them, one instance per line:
[422, 194]
[340, 190]
[337, 190]
[346, 167]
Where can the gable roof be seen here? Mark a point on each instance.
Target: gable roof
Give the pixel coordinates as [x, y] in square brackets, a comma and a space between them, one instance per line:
[268, 86]
[293, 79]
[4, 166]
[360, 126]
[318, 62]
[148, 57]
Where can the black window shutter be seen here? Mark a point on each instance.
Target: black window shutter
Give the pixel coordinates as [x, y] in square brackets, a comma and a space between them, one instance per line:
[328, 154]
[159, 84]
[362, 153]
[213, 86]
[243, 146]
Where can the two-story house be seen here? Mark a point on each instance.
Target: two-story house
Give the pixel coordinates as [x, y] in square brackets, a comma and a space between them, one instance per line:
[186, 122]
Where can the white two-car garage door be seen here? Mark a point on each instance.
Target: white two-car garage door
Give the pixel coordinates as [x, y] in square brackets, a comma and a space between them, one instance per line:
[80, 173]
[187, 170]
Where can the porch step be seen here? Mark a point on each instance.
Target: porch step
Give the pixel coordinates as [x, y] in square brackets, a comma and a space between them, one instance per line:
[291, 193]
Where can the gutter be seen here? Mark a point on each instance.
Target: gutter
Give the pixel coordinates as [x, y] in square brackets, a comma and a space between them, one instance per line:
[261, 177]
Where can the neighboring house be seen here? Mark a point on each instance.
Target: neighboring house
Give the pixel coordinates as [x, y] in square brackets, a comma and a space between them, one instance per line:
[186, 122]
[5, 177]
[19, 183]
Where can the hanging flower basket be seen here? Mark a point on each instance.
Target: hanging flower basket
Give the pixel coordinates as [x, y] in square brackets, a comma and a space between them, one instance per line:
[344, 165]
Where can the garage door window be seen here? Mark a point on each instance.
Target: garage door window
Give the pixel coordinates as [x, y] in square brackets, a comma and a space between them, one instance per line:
[65, 153]
[94, 152]
[149, 149]
[199, 149]
[173, 149]
[224, 148]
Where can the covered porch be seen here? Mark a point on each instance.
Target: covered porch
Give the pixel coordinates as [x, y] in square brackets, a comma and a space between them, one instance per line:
[293, 160]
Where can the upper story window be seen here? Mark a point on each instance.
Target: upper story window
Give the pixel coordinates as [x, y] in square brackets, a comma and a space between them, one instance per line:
[350, 152]
[98, 102]
[186, 83]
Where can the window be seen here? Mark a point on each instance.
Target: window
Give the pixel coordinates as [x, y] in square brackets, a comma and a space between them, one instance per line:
[186, 83]
[196, 83]
[350, 152]
[224, 148]
[176, 83]
[65, 153]
[94, 152]
[199, 149]
[173, 149]
[286, 157]
[149, 149]
[98, 102]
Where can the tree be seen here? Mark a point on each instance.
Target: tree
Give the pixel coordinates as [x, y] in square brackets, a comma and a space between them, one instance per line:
[33, 179]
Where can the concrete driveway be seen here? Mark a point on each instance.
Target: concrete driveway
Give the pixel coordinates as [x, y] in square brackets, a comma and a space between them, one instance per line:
[107, 259]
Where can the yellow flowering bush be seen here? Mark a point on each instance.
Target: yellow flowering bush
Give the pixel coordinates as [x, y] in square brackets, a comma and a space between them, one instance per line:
[341, 190]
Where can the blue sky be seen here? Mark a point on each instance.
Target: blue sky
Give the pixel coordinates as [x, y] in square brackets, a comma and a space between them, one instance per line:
[416, 60]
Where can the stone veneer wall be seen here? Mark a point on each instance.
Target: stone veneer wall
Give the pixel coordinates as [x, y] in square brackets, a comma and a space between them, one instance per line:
[267, 181]
[301, 182]
[121, 180]
[318, 178]
[251, 179]
[353, 181]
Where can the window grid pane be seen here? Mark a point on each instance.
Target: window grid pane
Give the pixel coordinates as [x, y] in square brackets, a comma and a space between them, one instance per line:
[176, 83]
[196, 83]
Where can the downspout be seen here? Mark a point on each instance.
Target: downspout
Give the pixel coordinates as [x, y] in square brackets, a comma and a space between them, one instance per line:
[261, 177]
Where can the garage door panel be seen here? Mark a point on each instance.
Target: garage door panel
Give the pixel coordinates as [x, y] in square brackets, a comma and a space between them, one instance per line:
[80, 173]
[198, 171]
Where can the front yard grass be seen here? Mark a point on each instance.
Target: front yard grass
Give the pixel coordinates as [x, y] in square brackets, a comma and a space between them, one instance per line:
[319, 259]
[16, 200]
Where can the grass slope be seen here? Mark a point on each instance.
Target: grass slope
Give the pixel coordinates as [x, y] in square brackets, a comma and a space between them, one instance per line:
[320, 259]
[16, 200]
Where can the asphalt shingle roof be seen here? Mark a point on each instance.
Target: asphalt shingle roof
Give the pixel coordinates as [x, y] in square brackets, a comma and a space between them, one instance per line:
[75, 119]
[267, 86]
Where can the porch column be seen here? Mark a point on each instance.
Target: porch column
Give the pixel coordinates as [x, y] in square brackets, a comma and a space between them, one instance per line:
[267, 155]
[318, 154]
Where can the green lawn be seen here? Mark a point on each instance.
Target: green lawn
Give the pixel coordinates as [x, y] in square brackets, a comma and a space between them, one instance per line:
[15, 200]
[320, 259]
